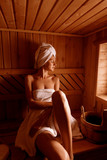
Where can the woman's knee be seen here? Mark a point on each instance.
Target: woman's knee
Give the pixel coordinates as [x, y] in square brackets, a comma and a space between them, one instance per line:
[58, 96]
[60, 102]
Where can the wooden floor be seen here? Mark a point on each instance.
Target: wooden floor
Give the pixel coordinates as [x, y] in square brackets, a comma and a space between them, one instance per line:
[82, 149]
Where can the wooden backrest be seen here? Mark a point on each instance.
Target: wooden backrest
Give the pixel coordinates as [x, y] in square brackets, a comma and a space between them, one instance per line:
[12, 88]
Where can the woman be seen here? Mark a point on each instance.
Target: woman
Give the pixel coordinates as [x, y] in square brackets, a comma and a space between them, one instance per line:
[49, 112]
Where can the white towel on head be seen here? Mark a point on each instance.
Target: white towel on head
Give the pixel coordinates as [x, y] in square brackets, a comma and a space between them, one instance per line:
[43, 54]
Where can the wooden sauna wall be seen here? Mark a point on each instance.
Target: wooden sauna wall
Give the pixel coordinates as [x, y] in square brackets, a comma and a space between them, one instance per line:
[91, 67]
[17, 52]
[17, 49]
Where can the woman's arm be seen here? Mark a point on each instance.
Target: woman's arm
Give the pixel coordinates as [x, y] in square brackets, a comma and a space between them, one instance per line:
[32, 103]
[56, 83]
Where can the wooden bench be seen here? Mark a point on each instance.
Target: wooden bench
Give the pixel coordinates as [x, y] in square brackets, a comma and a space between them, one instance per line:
[13, 102]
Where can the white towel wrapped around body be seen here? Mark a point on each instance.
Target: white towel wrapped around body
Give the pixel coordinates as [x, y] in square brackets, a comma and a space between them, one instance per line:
[43, 120]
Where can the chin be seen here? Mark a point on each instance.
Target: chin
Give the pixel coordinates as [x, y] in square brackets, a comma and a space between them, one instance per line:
[51, 69]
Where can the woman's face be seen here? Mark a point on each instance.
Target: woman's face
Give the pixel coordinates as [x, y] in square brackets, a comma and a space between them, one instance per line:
[50, 65]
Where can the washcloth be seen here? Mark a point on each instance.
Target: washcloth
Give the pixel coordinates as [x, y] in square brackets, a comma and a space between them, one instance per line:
[43, 54]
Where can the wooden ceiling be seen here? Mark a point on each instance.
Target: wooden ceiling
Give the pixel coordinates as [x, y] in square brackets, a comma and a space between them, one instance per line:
[78, 17]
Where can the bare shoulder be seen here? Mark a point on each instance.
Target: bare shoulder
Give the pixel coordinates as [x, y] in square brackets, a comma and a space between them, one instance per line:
[29, 78]
[56, 79]
[56, 82]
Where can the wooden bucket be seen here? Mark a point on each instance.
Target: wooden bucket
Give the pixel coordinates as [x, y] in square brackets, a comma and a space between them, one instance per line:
[94, 126]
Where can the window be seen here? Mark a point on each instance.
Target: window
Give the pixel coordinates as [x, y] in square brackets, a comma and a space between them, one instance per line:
[102, 72]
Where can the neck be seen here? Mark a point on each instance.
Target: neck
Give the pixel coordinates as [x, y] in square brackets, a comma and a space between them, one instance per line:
[43, 73]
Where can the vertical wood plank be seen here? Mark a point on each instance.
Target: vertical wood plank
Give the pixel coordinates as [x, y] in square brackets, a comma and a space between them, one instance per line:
[2, 110]
[6, 49]
[59, 44]
[14, 49]
[49, 39]
[29, 50]
[20, 48]
[73, 53]
[43, 38]
[22, 60]
[1, 52]
[36, 42]
[69, 53]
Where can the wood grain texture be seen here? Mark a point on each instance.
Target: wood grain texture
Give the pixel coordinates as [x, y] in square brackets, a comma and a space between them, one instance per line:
[2, 21]
[91, 68]
[88, 16]
[20, 13]
[18, 49]
[1, 51]
[32, 9]
[70, 16]
[90, 21]
[6, 49]
[13, 80]
[100, 23]
[59, 8]
[67, 17]
[8, 12]
[43, 13]
[14, 49]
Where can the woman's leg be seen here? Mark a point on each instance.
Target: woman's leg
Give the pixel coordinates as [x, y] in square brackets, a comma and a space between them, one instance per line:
[62, 113]
[51, 148]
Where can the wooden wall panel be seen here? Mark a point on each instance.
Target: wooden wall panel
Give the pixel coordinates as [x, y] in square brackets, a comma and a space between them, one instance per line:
[1, 52]
[29, 49]
[59, 44]
[91, 66]
[2, 110]
[6, 49]
[7, 9]
[49, 39]
[18, 48]
[22, 58]
[74, 52]
[13, 49]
